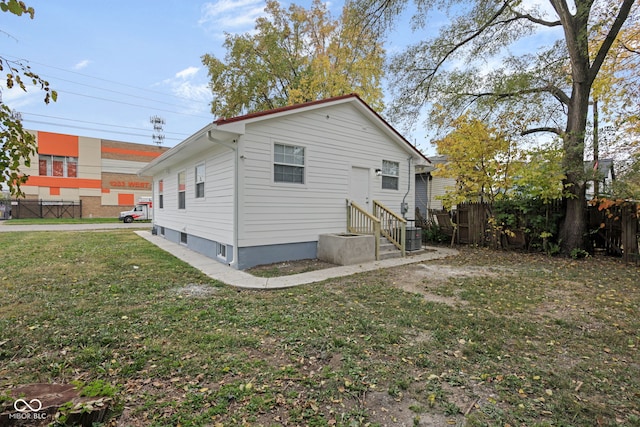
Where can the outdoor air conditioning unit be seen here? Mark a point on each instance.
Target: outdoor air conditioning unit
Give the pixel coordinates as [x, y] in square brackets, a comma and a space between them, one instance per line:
[413, 239]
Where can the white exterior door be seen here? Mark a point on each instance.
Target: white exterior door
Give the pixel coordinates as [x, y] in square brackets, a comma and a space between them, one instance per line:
[359, 187]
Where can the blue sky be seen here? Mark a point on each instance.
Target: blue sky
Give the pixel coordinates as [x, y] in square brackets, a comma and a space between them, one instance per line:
[115, 64]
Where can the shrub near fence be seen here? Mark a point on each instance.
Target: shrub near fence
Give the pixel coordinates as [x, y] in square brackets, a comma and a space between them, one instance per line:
[22, 209]
[532, 225]
[527, 224]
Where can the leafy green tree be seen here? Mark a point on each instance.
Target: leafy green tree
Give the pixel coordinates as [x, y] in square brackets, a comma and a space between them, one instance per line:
[16, 144]
[627, 183]
[549, 89]
[539, 174]
[617, 87]
[479, 158]
[294, 56]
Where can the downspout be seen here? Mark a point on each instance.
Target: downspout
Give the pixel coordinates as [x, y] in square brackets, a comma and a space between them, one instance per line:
[233, 147]
[405, 207]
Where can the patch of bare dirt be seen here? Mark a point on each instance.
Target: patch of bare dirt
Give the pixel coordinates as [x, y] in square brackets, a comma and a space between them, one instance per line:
[424, 279]
[289, 267]
[195, 290]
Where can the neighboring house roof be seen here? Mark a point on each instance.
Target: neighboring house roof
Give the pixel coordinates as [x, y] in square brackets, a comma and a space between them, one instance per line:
[605, 166]
[433, 162]
[226, 129]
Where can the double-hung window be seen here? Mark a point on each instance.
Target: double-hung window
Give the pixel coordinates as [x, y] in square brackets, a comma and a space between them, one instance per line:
[161, 194]
[182, 190]
[288, 164]
[199, 181]
[390, 175]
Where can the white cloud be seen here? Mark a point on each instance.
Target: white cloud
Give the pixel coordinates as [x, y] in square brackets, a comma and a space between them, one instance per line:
[191, 90]
[192, 87]
[82, 64]
[187, 72]
[231, 15]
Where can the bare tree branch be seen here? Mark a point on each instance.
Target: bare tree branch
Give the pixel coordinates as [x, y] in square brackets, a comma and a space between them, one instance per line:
[535, 20]
[630, 49]
[557, 131]
[623, 14]
[557, 93]
[451, 51]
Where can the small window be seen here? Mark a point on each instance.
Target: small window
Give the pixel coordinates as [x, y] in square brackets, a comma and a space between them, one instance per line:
[222, 251]
[162, 231]
[183, 238]
[181, 190]
[161, 194]
[288, 164]
[390, 174]
[200, 181]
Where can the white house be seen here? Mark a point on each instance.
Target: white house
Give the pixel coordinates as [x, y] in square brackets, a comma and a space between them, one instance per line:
[261, 188]
[429, 188]
[604, 172]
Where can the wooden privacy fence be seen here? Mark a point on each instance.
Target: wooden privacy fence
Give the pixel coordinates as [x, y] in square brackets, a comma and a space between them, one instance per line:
[615, 228]
[46, 209]
[472, 223]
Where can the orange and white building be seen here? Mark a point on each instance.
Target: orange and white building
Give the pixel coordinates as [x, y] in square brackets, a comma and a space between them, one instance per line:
[100, 173]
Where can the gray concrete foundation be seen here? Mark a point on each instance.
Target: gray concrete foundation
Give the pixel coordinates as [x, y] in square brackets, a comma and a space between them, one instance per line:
[346, 248]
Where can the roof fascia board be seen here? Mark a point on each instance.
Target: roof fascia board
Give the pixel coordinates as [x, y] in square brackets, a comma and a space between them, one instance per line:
[192, 145]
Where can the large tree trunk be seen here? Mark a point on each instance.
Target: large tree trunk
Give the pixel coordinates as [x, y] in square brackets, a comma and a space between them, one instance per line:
[574, 227]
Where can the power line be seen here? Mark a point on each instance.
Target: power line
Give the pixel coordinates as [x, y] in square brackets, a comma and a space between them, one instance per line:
[132, 105]
[164, 94]
[96, 78]
[94, 129]
[95, 123]
[115, 91]
[153, 103]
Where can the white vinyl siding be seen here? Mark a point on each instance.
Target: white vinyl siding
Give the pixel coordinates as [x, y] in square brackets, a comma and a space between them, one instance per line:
[272, 213]
[438, 187]
[210, 217]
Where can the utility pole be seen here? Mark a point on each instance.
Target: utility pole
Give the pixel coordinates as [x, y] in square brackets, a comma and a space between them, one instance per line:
[596, 174]
[157, 122]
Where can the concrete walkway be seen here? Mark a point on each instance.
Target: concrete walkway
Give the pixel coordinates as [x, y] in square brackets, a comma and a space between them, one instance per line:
[241, 279]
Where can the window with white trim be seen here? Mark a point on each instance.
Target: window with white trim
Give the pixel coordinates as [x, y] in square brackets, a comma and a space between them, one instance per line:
[390, 175]
[199, 180]
[161, 194]
[288, 164]
[182, 190]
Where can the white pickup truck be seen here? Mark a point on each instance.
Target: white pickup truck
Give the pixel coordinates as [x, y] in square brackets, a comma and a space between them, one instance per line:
[142, 211]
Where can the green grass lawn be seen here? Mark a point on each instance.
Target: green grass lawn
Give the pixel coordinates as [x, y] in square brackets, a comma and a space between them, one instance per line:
[487, 339]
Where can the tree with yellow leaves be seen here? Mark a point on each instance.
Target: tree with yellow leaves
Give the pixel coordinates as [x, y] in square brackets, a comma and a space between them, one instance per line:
[477, 61]
[293, 56]
[480, 158]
